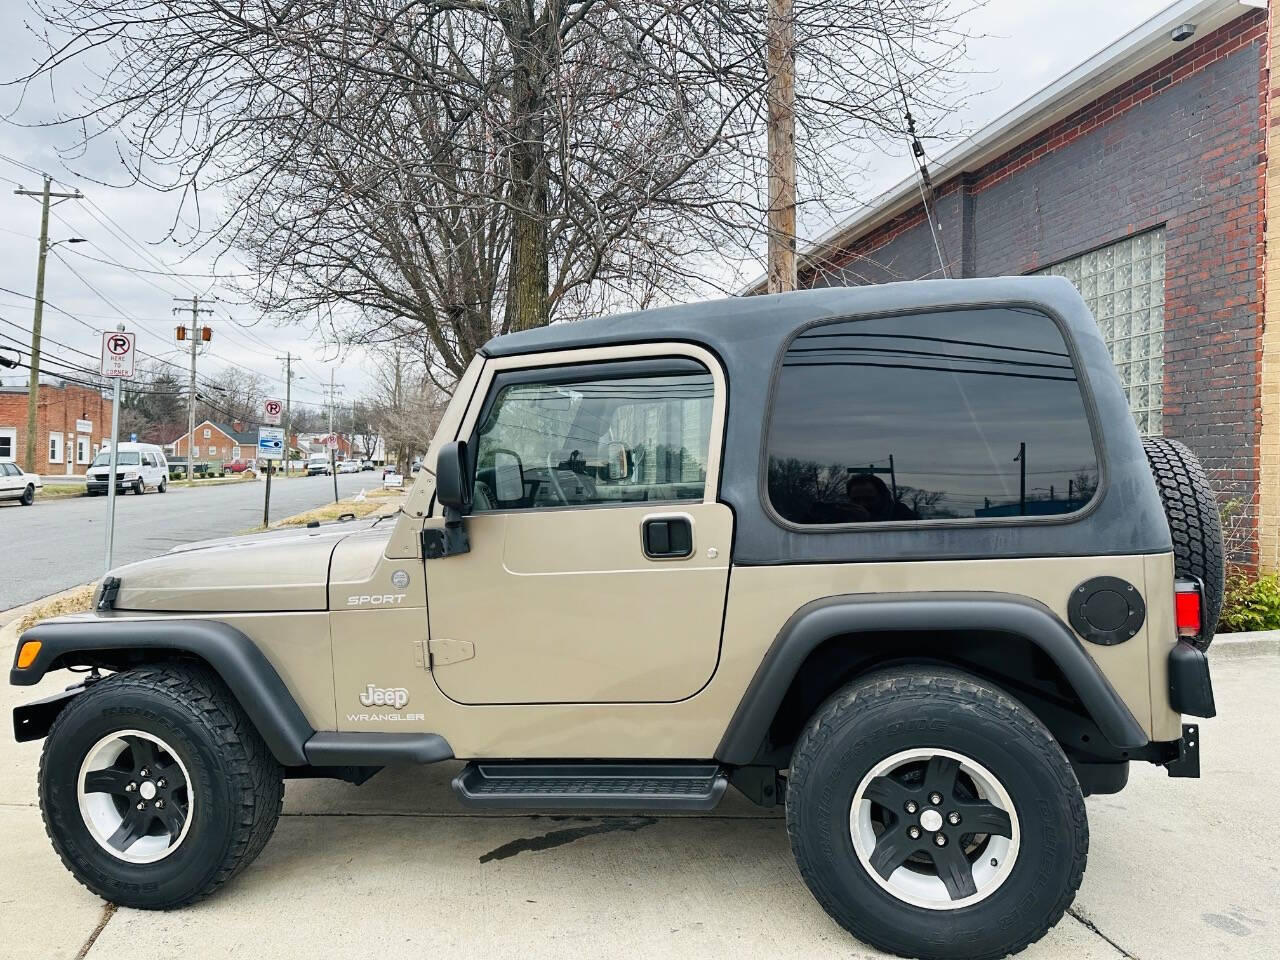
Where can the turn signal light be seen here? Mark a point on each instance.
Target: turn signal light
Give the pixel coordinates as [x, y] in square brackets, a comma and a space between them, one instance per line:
[27, 655]
[1187, 612]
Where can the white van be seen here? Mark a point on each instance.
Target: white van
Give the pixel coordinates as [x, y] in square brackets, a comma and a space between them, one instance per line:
[139, 466]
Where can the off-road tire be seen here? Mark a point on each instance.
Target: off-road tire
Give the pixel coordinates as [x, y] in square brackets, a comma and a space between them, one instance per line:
[1194, 523]
[238, 787]
[876, 717]
[28, 495]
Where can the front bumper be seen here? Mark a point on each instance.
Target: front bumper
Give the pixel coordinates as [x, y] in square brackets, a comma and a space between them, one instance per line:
[100, 486]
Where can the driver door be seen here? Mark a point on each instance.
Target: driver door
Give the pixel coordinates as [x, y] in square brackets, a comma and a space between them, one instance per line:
[599, 556]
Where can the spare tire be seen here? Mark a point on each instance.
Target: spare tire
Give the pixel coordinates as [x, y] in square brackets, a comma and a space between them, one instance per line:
[1192, 512]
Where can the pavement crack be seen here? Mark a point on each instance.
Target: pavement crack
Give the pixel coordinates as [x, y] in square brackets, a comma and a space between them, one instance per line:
[558, 838]
[1093, 927]
[108, 911]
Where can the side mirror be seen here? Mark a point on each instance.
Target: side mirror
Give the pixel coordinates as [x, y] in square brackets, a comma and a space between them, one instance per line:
[508, 477]
[453, 482]
[618, 460]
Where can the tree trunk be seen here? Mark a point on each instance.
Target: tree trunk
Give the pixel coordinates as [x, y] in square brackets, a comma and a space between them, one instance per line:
[528, 281]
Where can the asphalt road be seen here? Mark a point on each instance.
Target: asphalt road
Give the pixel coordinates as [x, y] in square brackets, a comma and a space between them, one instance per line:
[55, 544]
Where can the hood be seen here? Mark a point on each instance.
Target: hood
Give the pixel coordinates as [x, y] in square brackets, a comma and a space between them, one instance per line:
[277, 570]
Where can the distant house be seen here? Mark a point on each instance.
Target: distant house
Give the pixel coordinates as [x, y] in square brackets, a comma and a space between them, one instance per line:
[73, 422]
[219, 443]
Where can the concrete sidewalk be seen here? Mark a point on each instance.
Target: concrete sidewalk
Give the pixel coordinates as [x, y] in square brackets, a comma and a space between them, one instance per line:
[1177, 868]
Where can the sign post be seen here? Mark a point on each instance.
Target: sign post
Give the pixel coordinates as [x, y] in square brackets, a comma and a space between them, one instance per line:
[331, 441]
[118, 355]
[270, 448]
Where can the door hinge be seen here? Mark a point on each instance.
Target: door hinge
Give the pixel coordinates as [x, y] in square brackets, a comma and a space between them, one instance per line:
[420, 654]
[444, 652]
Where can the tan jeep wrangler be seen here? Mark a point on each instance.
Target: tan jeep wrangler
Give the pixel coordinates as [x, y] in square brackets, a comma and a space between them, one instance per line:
[894, 556]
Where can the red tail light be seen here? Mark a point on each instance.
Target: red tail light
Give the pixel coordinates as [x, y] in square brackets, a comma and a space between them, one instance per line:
[1187, 609]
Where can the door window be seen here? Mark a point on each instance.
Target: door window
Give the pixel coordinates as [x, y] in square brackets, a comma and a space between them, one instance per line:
[973, 414]
[544, 442]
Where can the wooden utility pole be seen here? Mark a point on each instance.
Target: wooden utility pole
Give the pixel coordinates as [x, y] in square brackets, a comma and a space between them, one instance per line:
[782, 147]
[288, 396]
[196, 310]
[37, 318]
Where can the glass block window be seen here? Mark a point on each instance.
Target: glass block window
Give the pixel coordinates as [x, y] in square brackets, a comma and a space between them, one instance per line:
[1123, 284]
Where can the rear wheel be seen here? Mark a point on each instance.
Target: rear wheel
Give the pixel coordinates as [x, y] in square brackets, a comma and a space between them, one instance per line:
[163, 485]
[155, 788]
[1194, 524]
[933, 816]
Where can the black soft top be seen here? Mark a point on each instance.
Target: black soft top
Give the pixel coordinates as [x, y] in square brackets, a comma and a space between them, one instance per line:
[749, 335]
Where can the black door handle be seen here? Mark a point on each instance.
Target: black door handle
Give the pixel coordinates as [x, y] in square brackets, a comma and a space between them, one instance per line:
[667, 537]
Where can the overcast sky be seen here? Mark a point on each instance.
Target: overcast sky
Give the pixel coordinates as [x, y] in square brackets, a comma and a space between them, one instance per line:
[1021, 46]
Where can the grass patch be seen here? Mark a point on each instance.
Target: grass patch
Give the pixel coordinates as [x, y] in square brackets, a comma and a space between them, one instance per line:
[73, 601]
[374, 501]
[60, 491]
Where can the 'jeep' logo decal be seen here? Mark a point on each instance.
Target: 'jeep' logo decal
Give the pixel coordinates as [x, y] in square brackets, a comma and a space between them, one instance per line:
[384, 697]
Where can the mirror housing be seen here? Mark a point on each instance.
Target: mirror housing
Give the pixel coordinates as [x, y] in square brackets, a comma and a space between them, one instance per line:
[453, 485]
[453, 491]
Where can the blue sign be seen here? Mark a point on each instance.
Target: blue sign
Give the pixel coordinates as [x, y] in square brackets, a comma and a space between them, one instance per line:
[271, 443]
[133, 438]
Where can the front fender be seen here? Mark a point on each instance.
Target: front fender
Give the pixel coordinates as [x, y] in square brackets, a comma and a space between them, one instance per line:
[820, 620]
[248, 674]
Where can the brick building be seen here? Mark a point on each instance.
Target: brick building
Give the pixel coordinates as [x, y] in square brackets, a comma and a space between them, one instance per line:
[72, 424]
[219, 442]
[1142, 176]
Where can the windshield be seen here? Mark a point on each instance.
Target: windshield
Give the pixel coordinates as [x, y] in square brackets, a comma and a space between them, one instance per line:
[127, 459]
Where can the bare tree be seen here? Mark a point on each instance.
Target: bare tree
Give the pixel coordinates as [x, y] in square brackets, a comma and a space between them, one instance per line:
[458, 168]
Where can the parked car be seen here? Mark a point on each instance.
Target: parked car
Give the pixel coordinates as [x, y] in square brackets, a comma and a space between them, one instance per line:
[831, 593]
[17, 485]
[238, 466]
[417, 465]
[367, 465]
[349, 466]
[138, 466]
[317, 464]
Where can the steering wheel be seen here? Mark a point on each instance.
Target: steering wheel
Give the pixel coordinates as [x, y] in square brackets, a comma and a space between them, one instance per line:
[553, 471]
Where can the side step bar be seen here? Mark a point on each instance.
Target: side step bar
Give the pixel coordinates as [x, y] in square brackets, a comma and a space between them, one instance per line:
[594, 786]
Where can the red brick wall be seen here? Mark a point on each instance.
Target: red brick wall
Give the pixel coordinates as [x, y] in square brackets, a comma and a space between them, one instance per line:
[58, 408]
[225, 446]
[1180, 146]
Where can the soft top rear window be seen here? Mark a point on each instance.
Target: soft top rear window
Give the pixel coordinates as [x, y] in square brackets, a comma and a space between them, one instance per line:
[951, 415]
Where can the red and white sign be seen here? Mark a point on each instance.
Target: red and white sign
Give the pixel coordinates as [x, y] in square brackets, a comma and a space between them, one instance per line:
[118, 353]
[271, 411]
[331, 441]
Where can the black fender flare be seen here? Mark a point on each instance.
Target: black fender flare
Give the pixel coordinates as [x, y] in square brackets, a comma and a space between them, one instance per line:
[246, 671]
[823, 619]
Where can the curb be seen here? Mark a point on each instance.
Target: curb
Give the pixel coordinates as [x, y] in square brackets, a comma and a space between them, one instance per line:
[1236, 646]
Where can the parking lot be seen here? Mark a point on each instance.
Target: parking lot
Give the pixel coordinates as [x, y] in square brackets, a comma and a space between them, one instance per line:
[1177, 868]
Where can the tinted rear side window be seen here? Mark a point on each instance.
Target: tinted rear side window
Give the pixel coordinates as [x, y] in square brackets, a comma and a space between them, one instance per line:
[951, 415]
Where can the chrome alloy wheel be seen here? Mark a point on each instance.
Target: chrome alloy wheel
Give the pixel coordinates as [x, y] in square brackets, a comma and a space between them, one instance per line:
[934, 828]
[135, 796]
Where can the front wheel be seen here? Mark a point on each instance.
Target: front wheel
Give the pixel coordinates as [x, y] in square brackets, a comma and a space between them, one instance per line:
[933, 816]
[163, 486]
[155, 788]
[28, 496]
